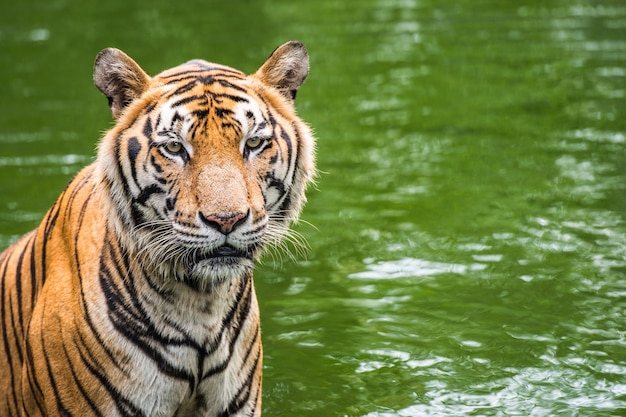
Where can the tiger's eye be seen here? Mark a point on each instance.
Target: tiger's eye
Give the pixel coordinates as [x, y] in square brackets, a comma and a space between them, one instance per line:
[254, 143]
[174, 147]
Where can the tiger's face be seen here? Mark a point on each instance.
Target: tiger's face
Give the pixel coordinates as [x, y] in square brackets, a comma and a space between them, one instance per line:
[206, 166]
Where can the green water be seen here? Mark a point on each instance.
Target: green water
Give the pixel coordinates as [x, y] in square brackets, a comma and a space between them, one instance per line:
[467, 232]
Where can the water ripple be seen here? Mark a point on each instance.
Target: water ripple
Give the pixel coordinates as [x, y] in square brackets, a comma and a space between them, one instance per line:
[409, 267]
[20, 161]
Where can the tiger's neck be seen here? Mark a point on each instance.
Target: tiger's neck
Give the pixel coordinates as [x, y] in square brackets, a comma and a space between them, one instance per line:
[127, 285]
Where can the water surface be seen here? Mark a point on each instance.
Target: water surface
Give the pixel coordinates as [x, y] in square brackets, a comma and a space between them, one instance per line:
[467, 231]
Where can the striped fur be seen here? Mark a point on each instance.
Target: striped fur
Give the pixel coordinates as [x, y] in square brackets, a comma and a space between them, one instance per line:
[134, 297]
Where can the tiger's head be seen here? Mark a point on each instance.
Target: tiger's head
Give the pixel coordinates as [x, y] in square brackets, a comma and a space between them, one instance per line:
[205, 165]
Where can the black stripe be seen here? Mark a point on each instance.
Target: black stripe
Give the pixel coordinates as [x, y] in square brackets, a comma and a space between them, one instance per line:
[147, 128]
[201, 113]
[50, 223]
[170, 203]
[285, 136]
[242, 396]
[253, 343]
[33, 384]
[177, 118]
[61, 410]
[33, 269]
[241, 309]
[150, 107]
[155, 164]
[189, 99]
[133, 149]
[236, 99]
[136, 216]
[221, 112]
[244, 304]
[17, 335]
[293, 167]
[147, 192]
[227, 322]
[121, 179]
[227, 84]
[183, 89]
[18, 280]
[77, 382]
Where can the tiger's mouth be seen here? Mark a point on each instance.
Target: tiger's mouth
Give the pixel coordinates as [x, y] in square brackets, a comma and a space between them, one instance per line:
[224, 254]
[205, 269]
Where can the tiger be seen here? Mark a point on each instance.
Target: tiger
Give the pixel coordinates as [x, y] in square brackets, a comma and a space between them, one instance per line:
[135, 294]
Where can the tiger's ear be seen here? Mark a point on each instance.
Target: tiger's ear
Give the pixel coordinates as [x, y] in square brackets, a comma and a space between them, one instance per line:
[119, 78]
[286, 69]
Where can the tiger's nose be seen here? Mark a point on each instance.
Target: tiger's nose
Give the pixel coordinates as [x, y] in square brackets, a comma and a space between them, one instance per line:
[224, 222]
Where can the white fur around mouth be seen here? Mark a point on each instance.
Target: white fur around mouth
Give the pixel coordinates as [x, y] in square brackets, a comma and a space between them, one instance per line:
[207, 273]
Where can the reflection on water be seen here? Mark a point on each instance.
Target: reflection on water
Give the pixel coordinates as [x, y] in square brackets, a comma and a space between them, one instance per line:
[54, 160]
[469, 249]
[410, 267]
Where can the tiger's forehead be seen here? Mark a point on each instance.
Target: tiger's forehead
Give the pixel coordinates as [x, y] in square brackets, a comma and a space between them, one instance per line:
[242, 116]
[212, 101]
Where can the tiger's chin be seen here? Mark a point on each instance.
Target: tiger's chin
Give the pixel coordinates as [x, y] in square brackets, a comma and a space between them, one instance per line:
[208, 273]
[206, 270]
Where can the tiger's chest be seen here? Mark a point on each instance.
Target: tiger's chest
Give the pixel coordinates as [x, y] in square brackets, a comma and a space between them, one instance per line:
[176, 351]
[112, 342]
